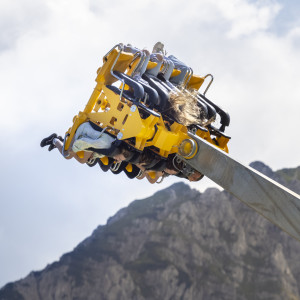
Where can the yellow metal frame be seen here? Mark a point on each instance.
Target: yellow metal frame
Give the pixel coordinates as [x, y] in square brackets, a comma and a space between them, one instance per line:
[121, 118]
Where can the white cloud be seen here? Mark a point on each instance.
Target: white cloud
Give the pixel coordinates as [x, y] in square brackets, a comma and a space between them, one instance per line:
[18, 18]
[247, 18]
[293, 37]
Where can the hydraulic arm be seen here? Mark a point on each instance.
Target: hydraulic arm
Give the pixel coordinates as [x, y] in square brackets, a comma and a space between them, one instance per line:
[270, 199]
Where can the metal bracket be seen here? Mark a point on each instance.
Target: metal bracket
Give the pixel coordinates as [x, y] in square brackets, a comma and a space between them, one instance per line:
[65, 154]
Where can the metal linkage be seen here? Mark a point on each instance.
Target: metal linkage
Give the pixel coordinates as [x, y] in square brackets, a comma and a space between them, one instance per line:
[115, 167]
[210, 82]
[121, 47]
[63, 152]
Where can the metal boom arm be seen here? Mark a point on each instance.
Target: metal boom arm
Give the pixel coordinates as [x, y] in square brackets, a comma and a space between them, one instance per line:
[270, 199]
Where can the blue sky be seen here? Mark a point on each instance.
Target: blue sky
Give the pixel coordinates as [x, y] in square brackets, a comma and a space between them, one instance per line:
[287, 17]
[49, 53]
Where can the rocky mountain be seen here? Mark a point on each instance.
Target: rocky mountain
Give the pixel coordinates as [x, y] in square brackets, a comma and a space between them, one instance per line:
[177, 244]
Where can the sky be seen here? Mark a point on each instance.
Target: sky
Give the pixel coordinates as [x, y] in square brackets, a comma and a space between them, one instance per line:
[49, 53]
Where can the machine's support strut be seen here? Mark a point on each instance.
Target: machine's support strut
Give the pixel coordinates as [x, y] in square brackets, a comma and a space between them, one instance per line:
[270, 199]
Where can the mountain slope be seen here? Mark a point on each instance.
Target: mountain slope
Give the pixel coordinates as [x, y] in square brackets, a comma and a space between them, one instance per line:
[177, 244]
